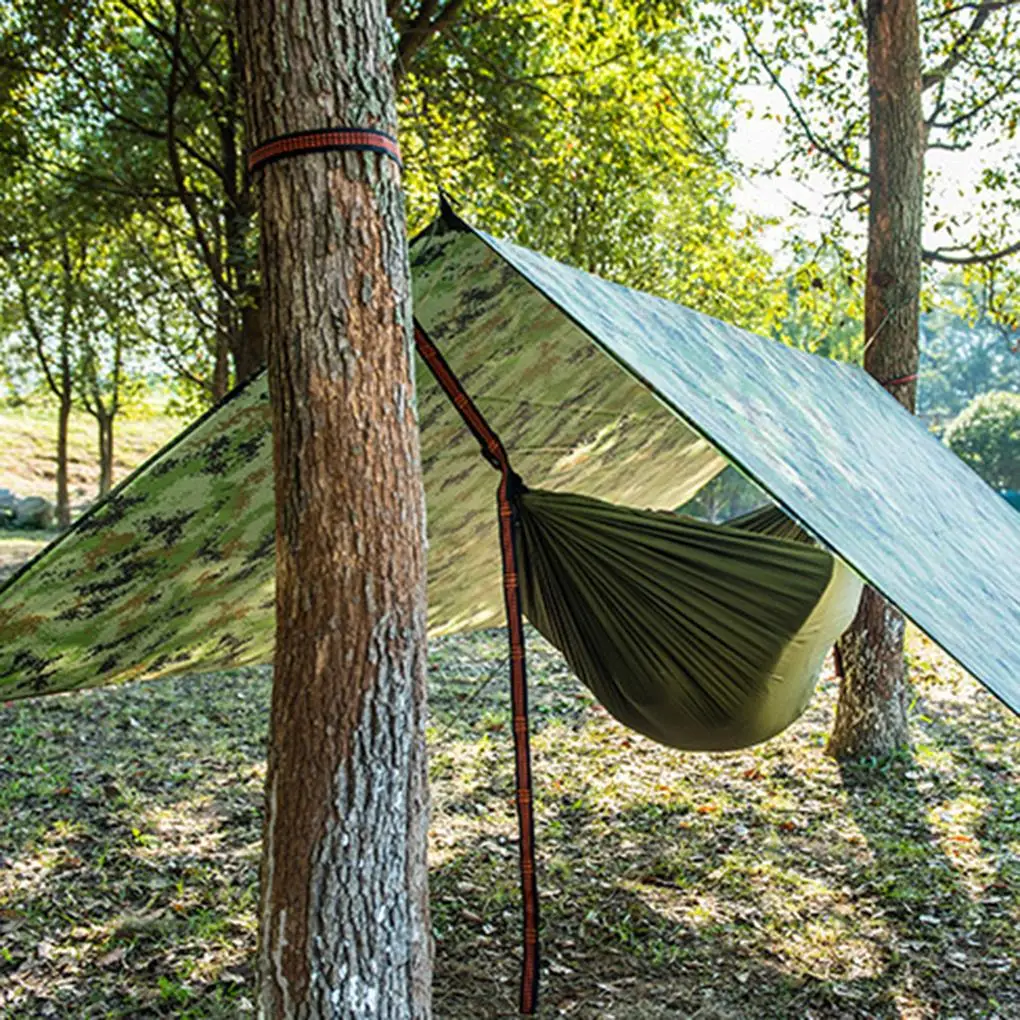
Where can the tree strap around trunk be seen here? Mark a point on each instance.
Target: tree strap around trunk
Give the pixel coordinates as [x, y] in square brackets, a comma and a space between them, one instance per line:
[901, 381]
[343, 139]
[510, 485]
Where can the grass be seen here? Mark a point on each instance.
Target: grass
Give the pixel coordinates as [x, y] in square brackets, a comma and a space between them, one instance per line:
[18, 546]
[28, 451]
[762, 884]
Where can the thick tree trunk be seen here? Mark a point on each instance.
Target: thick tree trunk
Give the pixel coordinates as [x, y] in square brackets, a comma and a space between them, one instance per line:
[871, 713]
[63, 495]
[344, 908]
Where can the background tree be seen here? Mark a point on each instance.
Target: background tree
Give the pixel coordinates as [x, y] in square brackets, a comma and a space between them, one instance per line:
[962, 358]
[871, 714]
[966, 65]
[109, 334]
[344, 909]
[158, 82]
[987, 436]
[42, 285]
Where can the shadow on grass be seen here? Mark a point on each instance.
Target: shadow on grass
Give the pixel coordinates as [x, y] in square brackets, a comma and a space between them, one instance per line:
[940, 827]
[759, 885]
[617, 944]
[129, 842]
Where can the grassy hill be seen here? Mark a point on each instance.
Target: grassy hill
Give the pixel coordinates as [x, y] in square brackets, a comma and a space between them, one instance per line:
[28, 457]
[28, 462]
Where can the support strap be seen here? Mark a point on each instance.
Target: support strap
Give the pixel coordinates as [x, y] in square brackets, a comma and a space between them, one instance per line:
[509, 487]
[345, 139]
[901, 381]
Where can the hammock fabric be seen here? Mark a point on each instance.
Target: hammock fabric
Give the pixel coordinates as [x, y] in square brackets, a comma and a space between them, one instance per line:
[701, 636]
[704, 637]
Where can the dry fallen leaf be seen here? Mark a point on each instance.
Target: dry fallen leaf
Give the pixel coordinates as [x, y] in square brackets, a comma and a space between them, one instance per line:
[114, 956]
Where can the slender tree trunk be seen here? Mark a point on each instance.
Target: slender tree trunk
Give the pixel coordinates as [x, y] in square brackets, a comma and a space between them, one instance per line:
[65, 392]
[221, 357]
[105, 423]
[344, 906]
[248, 349]
[63, 495]
[871, 713]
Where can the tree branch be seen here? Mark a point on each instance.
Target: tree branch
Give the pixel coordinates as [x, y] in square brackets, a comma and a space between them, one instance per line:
[822, 147]
[949, 11]
[942, 255]
[210, 256]
[36, 334]
[959, 47]
[427, 23]
[962, 118]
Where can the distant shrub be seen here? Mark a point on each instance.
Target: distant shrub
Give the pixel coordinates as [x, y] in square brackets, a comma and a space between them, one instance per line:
[986, 435]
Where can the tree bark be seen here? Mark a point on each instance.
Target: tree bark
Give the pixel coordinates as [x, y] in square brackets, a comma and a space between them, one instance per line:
[871, 712]
[63, 420]
[344, 903]
[105, 424]
[248, 350]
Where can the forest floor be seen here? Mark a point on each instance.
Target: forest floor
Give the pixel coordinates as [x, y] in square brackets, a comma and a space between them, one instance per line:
[762, 884]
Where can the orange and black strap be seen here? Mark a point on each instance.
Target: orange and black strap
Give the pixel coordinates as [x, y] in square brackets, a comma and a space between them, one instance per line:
[509, 487]
[299, 143]
[901, 381]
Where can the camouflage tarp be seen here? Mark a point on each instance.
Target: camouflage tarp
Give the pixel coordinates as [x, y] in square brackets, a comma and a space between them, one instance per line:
[589, 385]
[174, 572]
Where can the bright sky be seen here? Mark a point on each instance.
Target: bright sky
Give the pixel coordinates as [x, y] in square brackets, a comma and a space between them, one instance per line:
[758, 142]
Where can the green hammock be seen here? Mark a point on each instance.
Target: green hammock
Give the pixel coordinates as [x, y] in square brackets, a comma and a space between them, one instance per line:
[701, 636]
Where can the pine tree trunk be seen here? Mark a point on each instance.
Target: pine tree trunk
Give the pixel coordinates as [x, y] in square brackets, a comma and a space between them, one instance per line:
[63, 495]
[871, 713]
[344, 907]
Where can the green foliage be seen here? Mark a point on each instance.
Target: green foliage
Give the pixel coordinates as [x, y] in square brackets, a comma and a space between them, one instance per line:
[813, 56]
[823, 311]
[961, 360]
[593, 133]
[987, 436]
[728, 495]
[137, 110]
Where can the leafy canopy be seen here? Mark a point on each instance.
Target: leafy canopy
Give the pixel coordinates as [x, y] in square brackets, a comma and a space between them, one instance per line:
[592, 132]
[986, 436]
